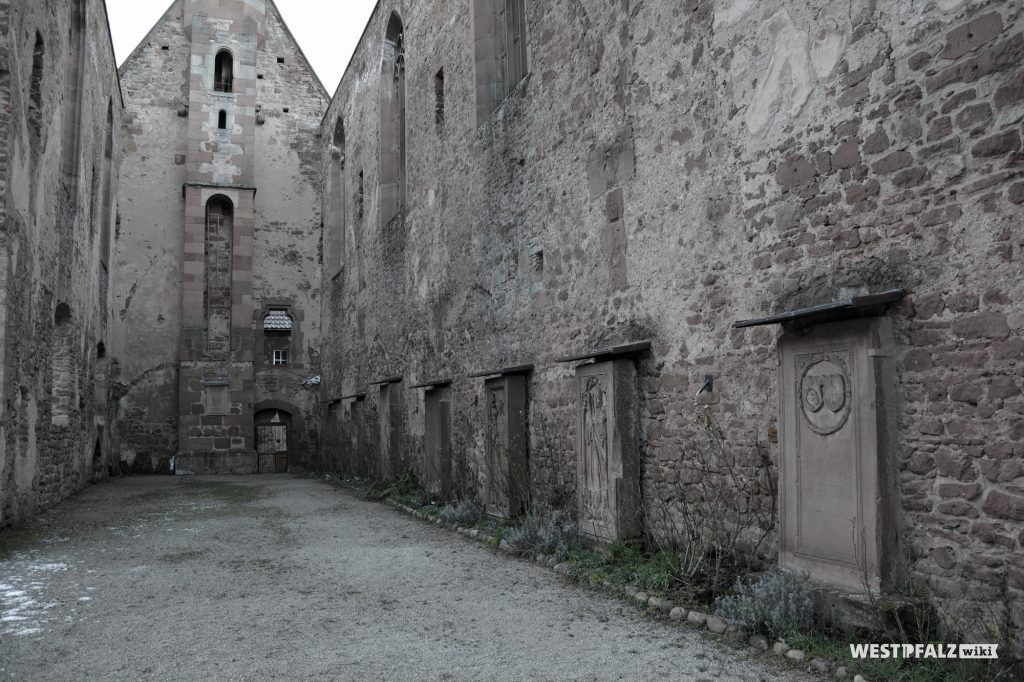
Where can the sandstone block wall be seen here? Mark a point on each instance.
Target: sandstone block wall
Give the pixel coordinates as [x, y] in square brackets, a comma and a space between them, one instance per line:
[60, 115]
[667, 169]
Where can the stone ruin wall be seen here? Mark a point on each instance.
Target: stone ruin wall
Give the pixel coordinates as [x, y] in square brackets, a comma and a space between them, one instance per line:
[681, 166]
[56, 203]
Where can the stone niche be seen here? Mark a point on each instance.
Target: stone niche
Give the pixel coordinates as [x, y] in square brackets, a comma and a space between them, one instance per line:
[608, 451]
[505, 469]
[437, 440]
[390, 407]
[836, 483]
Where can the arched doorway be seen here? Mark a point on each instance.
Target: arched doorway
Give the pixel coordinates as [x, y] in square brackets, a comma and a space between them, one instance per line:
[272, 427]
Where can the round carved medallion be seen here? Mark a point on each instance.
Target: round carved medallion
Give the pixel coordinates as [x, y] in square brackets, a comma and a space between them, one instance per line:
[825, 397]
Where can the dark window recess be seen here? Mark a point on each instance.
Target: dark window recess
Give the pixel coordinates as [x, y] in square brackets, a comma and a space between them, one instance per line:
[286, 110]
[224, 72]
[439, 97]
[165, 48]
[280, 60]
[359, 197]
[222, 120]
[259, 76]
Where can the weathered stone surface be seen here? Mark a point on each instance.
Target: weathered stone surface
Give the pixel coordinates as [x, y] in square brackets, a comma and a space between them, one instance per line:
[61, 144]
[795, 655]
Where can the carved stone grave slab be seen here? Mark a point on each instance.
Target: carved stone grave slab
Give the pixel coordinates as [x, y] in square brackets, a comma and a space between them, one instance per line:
[437, 440]
[505, 469]
[834, 496]
[607, 451]
[390, 412]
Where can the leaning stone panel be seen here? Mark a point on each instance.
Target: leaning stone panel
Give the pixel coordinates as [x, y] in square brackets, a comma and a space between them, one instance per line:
[505, 468]
[607, 451]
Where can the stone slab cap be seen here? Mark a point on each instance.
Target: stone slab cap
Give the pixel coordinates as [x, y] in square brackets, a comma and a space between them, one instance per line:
[389, 380]
[507, 371]
[355, 396]
[611, 353]
[869, 305]
[439, 383]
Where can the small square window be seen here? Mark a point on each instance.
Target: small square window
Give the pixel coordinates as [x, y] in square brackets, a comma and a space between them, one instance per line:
[280, 357]
[280, 60]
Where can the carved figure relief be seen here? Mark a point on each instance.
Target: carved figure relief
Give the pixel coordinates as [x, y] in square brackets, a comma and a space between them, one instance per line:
[825, 398]
[595, 484]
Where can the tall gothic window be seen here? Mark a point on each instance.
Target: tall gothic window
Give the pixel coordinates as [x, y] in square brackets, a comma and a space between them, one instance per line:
[219, 229]
[499, 42]
[392, 122]
[35, 95]
[337, 200]
[74, 89]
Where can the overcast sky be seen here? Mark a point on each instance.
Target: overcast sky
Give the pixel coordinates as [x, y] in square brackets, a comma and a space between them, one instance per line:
[327, 31]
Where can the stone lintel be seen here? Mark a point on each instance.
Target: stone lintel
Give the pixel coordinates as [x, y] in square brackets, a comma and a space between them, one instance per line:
[868, 305]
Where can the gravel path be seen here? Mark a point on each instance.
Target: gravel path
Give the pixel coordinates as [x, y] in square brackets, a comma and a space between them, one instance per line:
[244, 578]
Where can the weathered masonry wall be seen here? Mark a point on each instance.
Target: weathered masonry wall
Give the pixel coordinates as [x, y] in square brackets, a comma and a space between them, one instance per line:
[222, 209]
[663, 171]
[60, 150]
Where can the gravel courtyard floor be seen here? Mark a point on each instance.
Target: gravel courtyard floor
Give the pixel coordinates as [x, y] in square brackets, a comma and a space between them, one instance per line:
[254, 578]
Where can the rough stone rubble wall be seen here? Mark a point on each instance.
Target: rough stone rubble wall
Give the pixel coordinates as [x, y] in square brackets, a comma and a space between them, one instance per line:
[50, 256]
[669, 168]
[147, 288]
[286, 241]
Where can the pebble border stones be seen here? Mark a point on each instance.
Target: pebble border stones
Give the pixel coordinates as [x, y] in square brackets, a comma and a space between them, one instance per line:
[710, 623]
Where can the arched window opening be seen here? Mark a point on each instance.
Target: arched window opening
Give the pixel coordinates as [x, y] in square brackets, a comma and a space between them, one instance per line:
[74, 90]
[35, 98]
[224, 72]
[62, 363]
[217, 294]
[337, 199]
[222, 120]
[392, 124]
[500, 45]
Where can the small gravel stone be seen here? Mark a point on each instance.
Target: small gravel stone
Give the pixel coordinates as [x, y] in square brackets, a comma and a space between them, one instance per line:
[696, 618]
[759, 642]
[678, 613]
[859, 678]
[780, 648]
[562, 568]
[475, 533]
[795, 655]
[641, 598]
[841, 672]
[820, 665]
[663, 605]
[717, 625]
[505, 546]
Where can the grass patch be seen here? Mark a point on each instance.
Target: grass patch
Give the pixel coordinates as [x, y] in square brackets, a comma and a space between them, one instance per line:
[622, 564]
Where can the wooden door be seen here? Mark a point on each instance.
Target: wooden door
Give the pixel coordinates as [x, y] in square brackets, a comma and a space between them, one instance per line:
[272, 446]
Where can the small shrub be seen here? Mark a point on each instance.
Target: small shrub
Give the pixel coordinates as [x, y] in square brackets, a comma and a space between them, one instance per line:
[468, 512]
[542, 534]
[774, 605]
